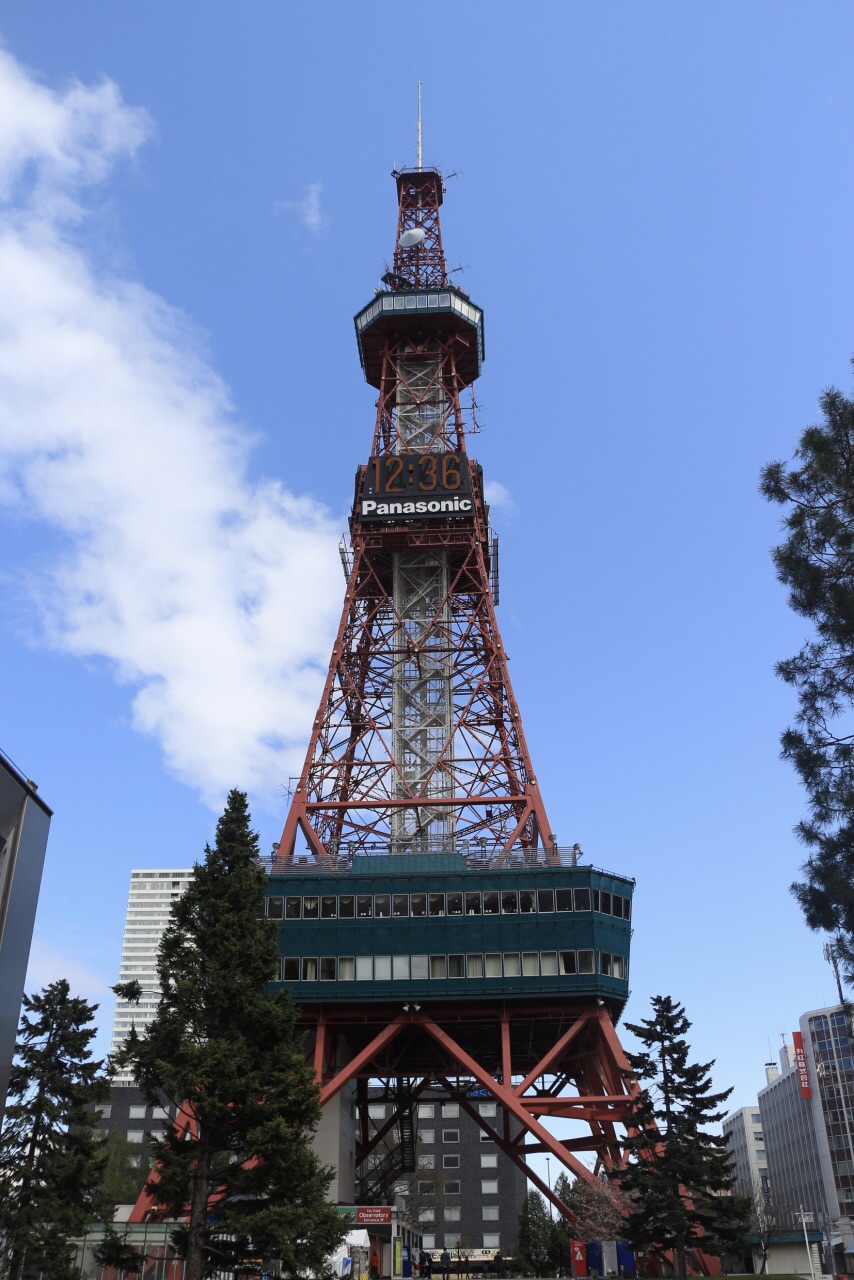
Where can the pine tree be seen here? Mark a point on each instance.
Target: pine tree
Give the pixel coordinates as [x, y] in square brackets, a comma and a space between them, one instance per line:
[679, 1177]
[223, 1045]
[816, 563]
[534, 1246]
[51, 1161]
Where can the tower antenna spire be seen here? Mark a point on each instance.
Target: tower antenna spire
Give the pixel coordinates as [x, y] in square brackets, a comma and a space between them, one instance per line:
[418, 149]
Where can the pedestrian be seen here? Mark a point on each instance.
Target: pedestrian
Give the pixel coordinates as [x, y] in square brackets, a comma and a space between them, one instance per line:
[445, 1260]
[375, 1265]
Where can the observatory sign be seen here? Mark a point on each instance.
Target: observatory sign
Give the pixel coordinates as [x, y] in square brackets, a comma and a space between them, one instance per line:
[416, 486]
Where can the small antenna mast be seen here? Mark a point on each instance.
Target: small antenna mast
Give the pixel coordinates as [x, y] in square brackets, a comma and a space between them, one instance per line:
[418, 154]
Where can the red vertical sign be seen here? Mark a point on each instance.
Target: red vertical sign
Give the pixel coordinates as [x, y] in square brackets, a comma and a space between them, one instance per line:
[801, 1064]
[579, 1257]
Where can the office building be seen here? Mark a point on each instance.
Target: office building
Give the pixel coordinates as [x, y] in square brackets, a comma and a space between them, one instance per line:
[463, 1192]
[149, 904]
[746, 1142]
[24, 824]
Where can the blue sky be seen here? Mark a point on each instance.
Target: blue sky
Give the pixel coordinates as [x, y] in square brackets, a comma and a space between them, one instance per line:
[654, 207]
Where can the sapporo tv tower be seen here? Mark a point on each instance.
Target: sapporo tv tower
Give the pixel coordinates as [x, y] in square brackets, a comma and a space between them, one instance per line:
[433, 931]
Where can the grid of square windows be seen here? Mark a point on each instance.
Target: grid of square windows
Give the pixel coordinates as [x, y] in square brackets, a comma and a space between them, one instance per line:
[490, 902]
[490, 964]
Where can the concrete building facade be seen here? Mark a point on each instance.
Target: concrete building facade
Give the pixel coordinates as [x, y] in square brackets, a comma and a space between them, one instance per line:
[464, 1193]
[150, 901]
[746, 1142]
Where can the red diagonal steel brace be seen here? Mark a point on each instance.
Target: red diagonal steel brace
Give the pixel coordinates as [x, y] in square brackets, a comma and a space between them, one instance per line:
[505, 1095]
[355, 1065]
[546, 1061]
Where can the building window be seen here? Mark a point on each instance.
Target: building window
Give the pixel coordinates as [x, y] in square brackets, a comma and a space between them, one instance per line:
[489, 1162]
[489, 1187]
[426, 1135]
[135, 1135]
[450, 1135]
[426, 1188]
[376, 1111]
[427, 1162]
[490, 1212]
[452, 1240]
[160, 1113]
[491, 1241]
[487, 1109]
[428, 1242]
[450, 1110]
[452, 1188]
[103, 1112]
[452, 1213]
[485, 1137]
[450, 1162]
[136, 1113]
[427, 1215]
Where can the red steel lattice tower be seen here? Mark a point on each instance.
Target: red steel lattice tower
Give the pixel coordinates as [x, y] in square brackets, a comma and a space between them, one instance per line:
[418, 742]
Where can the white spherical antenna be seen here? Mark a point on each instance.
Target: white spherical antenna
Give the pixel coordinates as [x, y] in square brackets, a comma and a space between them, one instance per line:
[411, 238]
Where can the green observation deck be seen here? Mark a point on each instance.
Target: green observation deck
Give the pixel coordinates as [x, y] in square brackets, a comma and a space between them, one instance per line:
[416, 927]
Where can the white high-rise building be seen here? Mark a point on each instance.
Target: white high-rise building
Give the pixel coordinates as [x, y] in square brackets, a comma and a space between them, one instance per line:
[149, 903]
[746, 1148]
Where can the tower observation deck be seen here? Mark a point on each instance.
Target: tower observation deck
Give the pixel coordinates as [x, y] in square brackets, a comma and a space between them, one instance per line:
[433, 931]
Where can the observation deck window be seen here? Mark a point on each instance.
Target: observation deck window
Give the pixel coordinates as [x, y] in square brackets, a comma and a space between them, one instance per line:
[530, 964]
[605, 903]
[382, 968]
[400, 966]
[492, 964]
[437, 904]
[310, 908]
[490, 904]
[456, 966]
[328, 907]
[364, 906]
[419, 967]
[400, 904]
[527, 901]
[364, 968]
[347, 907]
[548, 963]
[582, 900]
[437, 966]
[545, 900]
[275, 907]
[309, 969]
[293, 908]
[346, 969]
[418, 904]
[509, 902]
[512, 966]
[328, 966]
[474, 966]
[290, 969]
[455, 904]
[473, 904]
[382, 906]
[585, 962]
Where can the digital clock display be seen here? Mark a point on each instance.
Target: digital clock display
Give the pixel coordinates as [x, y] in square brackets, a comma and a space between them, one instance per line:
[417, 486]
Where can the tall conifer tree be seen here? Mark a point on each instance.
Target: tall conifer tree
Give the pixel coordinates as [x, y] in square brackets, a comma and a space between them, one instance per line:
[223, 1045]
[51, 1162]
[679, 1178]
[816, 562]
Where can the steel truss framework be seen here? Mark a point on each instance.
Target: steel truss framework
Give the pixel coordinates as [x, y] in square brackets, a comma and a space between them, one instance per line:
[355, 790]
[525, 1059]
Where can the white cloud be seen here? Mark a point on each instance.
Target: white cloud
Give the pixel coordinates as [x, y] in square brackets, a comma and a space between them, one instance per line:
[308, 209]
[498, 496]
[176, 568]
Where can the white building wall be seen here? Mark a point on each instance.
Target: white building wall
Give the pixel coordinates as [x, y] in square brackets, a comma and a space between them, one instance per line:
[149, 903]
[746, 1145]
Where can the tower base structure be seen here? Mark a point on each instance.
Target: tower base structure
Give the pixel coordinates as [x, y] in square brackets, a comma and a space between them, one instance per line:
[502, 983]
